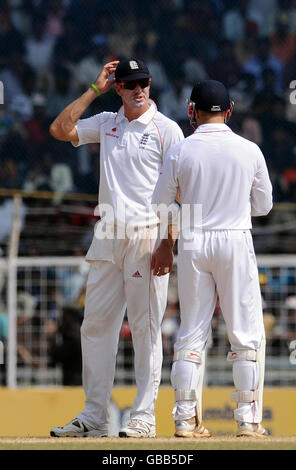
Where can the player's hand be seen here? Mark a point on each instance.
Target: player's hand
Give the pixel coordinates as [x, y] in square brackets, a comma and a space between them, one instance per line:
[162, 260]
[103, 83]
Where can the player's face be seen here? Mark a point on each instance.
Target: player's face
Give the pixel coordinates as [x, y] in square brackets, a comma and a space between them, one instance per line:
[137, 97]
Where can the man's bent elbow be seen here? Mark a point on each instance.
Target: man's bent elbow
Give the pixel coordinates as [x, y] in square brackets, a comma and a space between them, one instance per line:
[57, 131]
[54, 131]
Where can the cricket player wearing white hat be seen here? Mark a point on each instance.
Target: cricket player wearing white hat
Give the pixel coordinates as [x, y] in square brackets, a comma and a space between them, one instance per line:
[133, 142]
[225, 176]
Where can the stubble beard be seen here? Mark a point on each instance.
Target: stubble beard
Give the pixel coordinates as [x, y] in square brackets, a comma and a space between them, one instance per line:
[139, 104]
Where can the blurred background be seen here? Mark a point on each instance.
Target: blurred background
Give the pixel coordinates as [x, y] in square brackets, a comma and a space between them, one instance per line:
[50, 52]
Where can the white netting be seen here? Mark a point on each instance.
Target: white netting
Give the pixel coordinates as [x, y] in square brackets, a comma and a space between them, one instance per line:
[50, 298]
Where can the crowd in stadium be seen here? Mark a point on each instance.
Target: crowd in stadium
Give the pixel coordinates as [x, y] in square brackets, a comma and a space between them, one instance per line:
[51, 51]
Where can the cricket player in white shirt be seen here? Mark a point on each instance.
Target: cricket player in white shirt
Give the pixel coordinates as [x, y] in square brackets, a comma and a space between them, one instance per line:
[133, 142]
[225, 178]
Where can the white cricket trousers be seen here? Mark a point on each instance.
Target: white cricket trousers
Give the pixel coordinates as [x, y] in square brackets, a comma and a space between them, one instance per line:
[113, 287]
[218, 262]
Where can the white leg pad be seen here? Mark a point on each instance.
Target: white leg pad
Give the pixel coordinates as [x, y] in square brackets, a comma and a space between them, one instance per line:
[187, 379]
[248, 376]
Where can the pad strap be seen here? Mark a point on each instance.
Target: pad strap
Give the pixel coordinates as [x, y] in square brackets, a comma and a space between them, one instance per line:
[245, 396]
[187, 355]
[249, 355]
[186, 395]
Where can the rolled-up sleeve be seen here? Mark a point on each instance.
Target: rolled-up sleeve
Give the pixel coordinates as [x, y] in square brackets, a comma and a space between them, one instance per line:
[261, 193]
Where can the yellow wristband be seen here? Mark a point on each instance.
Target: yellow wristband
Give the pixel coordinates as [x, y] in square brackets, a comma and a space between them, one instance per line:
[96, 90]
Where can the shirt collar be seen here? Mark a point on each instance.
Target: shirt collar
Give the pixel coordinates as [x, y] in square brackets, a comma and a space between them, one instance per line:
[213, 127]
[144, 118]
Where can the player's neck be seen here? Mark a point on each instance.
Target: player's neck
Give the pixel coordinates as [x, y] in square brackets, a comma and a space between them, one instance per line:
[134, 113]
[212, 120]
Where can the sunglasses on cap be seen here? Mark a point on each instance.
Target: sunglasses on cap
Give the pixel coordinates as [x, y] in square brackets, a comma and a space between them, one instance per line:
[131, 85]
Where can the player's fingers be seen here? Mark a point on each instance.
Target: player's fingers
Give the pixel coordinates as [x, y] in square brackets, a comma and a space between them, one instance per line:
[156, 271]
[112, 64]
[163, 270]
[156, 268]
[111, 67]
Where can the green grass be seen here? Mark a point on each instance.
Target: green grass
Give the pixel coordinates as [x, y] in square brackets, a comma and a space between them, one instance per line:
[216, 443]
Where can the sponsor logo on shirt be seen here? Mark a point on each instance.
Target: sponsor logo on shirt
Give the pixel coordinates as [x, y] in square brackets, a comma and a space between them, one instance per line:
[110, 134]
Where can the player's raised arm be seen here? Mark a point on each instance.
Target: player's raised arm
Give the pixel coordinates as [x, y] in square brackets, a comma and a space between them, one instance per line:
[63, 127]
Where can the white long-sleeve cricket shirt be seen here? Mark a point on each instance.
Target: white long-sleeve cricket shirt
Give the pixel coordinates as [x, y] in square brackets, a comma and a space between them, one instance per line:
[222, 173]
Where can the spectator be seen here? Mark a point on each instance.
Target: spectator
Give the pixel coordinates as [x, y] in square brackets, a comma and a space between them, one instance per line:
[284, 330]
[83, 13]
[6, 216]
[291, 193]
[5, 123]
[88, 68]
[10, 38]
[280, 154]
[225, 68]
[39, 47]
[172, 103]
[15, 147]
[264, 99]
[160, 82]
[54, 19]
[89, 181]
[120, 43]
[37, 127]
[36, 179]
[28, 353]
[68, 48]
[9, 174]
[289, 71]
[13, 76]
[194, 68]
[209, 42]
[287, 8]
[60, 178]
[196, 17]
[268, 11]
[243, 93]
[21, 105]
[67, 352]
[63, 92]
[251, 130]
[261, 60]
[235, 20]
[191, 65]
[283, 41]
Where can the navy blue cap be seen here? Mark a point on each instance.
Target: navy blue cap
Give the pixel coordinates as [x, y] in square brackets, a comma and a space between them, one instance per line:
[210, 95]
[132, 69]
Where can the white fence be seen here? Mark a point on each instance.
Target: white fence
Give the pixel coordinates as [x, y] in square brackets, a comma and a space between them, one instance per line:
[44, 307]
